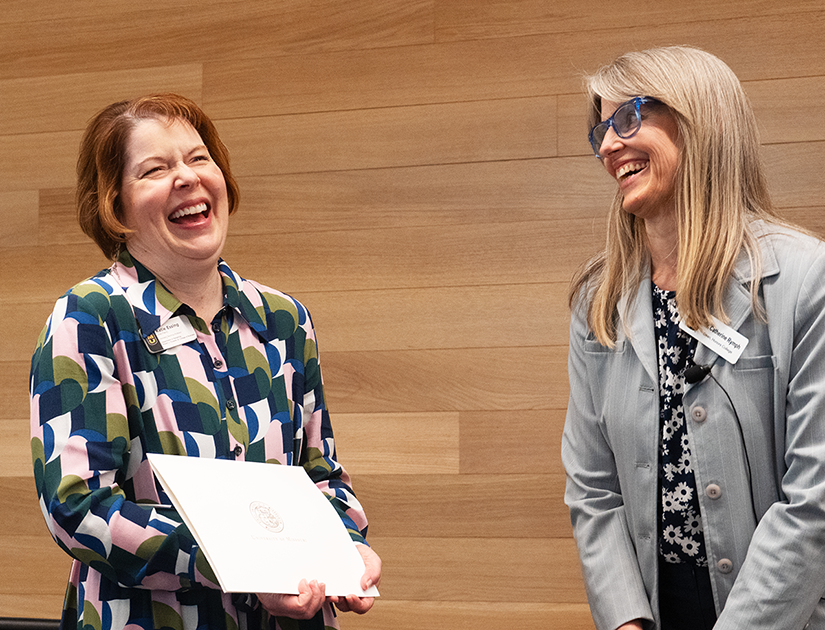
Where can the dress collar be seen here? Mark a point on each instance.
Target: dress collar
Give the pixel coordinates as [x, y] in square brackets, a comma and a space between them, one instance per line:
[270, 314]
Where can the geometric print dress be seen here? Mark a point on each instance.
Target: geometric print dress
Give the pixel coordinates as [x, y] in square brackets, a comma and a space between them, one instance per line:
[681, 536]
[248, 387]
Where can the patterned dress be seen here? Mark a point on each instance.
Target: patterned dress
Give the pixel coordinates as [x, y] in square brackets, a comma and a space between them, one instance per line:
[248, 387]
[682, 539]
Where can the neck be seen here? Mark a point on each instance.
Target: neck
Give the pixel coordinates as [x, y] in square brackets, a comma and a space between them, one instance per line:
[663, 245]
[198, 286]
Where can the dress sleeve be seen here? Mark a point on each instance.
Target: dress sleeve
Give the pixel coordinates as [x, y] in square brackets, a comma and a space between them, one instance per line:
[782, 580]
[84, 425]
[318, 455]
[613, 580]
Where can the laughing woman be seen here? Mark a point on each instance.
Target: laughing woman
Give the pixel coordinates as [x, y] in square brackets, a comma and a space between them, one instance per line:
[694, 442]
[155, 192]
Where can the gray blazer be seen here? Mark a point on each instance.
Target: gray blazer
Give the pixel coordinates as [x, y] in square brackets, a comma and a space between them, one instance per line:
[767, 572]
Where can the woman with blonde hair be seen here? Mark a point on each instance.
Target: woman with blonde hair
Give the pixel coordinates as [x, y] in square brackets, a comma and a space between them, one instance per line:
[694, 456]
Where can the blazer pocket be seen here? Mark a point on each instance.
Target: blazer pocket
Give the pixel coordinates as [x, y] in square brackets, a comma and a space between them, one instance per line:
[754, 363]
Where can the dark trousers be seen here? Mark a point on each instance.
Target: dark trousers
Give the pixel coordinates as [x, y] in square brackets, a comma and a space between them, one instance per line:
[685, 597]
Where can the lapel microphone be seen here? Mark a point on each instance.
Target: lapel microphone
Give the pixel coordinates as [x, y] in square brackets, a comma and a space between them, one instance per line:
[696, 373]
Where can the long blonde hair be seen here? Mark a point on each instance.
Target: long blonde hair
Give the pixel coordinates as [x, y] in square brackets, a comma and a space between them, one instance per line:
[720, 187]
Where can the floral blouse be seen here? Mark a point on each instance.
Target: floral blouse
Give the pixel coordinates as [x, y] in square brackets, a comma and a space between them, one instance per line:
[248, 386]
[682, 539]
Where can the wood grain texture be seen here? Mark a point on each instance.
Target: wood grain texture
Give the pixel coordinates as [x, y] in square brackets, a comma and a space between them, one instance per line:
[67, 101]
[387, 137]
[474, 379]
[529, 570]
[470, 616]
[472, 19]
[408, 443]
[417, 173]
[466, 506]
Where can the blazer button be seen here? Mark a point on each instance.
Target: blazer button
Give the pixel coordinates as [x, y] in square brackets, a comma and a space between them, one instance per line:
[713, 491]
[698, 413]
[725, 566]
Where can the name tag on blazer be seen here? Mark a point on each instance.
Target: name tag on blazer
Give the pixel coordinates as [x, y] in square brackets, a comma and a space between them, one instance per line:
[721, 338]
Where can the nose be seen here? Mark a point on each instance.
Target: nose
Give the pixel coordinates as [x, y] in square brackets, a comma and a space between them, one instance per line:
[186, 176]
[609, 142]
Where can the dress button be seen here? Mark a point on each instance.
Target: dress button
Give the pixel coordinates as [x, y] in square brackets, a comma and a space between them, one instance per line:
[713, 491]
[218, 364]
[724, 566]
[216, 327]
[238, 450]
[230, 404]
[698, 414]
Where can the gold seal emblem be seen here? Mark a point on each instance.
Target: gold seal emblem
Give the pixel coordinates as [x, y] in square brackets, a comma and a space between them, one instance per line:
[266, 516]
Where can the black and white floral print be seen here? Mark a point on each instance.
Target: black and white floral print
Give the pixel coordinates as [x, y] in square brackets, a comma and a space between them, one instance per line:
[682, 539]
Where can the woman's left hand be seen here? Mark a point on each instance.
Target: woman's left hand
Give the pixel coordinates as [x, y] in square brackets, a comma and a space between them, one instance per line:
[371, 577]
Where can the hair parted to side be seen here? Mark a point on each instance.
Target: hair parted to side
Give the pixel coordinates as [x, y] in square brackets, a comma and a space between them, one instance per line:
[103, 155]
[720, 187]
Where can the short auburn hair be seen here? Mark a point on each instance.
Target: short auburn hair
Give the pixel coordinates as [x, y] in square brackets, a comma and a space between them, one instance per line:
[103, 156]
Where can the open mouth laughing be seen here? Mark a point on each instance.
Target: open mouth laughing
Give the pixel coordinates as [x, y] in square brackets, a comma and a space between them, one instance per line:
[629, 169]
[190, 214]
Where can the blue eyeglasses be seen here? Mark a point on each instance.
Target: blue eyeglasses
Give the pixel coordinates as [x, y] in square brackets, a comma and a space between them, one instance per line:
[626, 122]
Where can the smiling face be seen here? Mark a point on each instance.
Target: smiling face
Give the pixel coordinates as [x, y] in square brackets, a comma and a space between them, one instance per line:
[173, 196]
[644, 165]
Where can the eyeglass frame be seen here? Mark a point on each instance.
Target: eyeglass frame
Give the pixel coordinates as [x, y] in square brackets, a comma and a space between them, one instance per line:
[637, 102]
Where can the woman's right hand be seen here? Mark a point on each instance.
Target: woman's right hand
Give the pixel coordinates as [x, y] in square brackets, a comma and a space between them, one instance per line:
[304, 605]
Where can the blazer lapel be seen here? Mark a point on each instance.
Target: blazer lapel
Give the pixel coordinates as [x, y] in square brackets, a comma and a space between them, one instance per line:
[639, 324]
[738, 305]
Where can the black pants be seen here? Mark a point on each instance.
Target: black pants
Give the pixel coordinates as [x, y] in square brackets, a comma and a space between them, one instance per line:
[685, 597]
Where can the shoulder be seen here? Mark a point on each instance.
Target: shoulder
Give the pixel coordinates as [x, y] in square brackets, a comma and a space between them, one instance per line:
[787, 242]
[789, 255]
[92, 299]
[271, 313]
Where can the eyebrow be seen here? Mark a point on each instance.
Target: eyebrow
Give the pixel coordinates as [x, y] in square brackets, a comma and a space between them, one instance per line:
[158, 158]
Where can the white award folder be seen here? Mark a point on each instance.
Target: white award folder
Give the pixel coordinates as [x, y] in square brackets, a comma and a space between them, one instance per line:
[262, 527]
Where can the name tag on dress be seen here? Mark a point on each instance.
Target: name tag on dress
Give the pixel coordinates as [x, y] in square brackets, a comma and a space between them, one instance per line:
[721, 338]
[175, 332]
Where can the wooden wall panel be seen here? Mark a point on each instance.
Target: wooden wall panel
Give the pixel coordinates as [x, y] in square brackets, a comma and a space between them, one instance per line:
[20, 211]
[161, 33]
[67, 101]
[473, 19]
[473, 379]
[387, 137]
[418, 174]
[473, 615]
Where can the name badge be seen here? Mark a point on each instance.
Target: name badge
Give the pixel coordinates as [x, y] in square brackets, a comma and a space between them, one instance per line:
[175, 332]
[721, 338]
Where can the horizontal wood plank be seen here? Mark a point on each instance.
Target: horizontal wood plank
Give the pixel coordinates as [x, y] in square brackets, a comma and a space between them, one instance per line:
[473, 19]
[94, 40]
[526, 570]
[513, 441]
[418, 615]
[392, 137]
[464, 506]
[15, 449]
[479, 379]
[20, 211]
[38, 560]
[404, 443]
[68, 101]
[453, 318]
